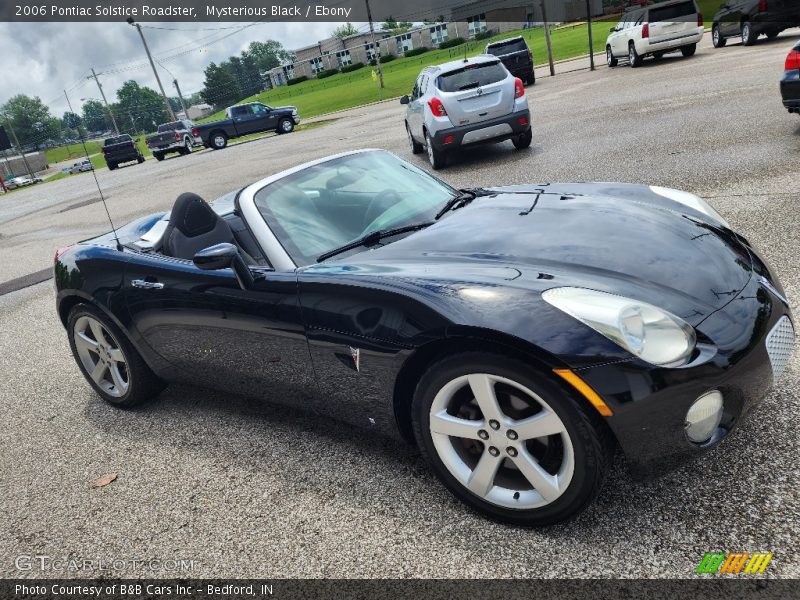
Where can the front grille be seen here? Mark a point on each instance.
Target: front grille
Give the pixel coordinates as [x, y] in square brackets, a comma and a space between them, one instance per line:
[779, 345]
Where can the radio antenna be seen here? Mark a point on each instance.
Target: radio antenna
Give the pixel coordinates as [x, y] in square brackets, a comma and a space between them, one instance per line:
[94, 174]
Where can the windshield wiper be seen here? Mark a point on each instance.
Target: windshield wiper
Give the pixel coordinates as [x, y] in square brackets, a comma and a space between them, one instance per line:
[462, 199]
[469, 86]
[372, 238]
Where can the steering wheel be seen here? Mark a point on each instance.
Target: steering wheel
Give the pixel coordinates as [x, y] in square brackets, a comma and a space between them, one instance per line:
[382, 202]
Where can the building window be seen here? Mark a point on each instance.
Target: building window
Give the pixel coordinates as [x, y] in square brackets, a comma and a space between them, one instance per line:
[404, 43]
[279, 79]
[438, 34]
[371, 52]
[316, 64]
[344, 58]
[476, 24]
[288, 70]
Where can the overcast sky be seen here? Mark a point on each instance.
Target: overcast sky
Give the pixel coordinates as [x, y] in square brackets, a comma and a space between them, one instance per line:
[42, 59]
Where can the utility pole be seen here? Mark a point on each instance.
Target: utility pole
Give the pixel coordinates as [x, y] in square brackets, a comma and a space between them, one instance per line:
[543, 4]
[375, 46]
[20, 148]
[152, 64]
[103, 95]
[591, 42]
[180, 97]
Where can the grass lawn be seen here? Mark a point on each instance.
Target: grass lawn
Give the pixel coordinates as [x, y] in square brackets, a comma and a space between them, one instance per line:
[73, 152]
[346, 90]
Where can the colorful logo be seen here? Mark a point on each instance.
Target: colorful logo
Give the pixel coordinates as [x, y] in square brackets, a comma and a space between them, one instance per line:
[734, 562]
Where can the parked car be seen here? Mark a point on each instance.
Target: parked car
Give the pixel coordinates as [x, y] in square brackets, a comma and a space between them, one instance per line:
[173, 137]
[790, 84]
[464, 102]
[121, 149]
[22, 181]
[81, 166]
[658, 29]
[516, 56]
[516, 334]
[749, 19]
[244, 119]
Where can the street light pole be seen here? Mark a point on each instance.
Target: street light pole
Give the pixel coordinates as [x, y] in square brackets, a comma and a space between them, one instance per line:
[152, 64]
[103, 95]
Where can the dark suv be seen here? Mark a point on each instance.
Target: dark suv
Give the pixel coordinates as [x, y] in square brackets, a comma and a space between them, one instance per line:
[748, 19]
[516, 56]
[121, 149]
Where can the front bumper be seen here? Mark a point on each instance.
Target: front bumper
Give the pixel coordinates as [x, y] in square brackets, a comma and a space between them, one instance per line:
[494, 130]
[790, 90]
[296, 119]
[650, 403]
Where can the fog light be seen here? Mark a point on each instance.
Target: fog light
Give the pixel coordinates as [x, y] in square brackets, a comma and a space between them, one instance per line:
[523, 121]
[703, 417]
[448, 139]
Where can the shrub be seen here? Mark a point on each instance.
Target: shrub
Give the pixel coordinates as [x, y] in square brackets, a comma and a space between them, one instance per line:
[353, 67]
[384, 59]
[485, 35]
[415, 51]
[456, 41]
[327, 73]
[296, 80]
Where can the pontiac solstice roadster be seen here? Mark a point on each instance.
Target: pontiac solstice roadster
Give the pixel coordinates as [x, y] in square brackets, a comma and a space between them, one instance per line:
[517, 334]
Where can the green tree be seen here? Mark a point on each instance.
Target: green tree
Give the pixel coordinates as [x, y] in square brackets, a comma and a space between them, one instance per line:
[267, 55]
[221, 86]
[31, 120]
[345, 30]
[140, 107]
[394, 27]
[70, 120]
[95, 117]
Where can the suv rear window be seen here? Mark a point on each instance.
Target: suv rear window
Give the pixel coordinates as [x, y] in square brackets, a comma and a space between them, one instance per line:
[674, 12]
[117, 140]
[170, 126]
[507, 47]
[471, 76]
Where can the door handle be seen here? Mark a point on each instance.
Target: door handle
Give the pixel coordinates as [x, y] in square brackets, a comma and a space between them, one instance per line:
[147, 285]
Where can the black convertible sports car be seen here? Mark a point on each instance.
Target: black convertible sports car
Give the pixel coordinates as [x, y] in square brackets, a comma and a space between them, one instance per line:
[516, 334]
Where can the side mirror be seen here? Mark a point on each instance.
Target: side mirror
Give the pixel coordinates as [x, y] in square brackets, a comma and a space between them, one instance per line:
[405, 99]
[224, 256]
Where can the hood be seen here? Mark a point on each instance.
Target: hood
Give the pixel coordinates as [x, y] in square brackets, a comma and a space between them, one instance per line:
[584, 235]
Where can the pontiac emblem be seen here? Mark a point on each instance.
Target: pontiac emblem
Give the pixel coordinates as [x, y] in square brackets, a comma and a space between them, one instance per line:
[355, 354]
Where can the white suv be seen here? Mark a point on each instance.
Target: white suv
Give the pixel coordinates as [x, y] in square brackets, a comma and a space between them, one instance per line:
[654, 31]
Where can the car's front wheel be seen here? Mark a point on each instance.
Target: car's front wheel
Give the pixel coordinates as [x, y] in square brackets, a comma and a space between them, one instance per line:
[717, 38]
[108, 361]
[415, 146]
[508, 441]
[437, 158]
[610, 60]
[286, 126]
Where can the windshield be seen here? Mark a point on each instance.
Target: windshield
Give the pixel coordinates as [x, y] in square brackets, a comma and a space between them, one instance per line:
[471, 76]
[507, 47]
[325, 206]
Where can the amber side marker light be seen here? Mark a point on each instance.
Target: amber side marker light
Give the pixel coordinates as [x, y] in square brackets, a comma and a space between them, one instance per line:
[585, 390]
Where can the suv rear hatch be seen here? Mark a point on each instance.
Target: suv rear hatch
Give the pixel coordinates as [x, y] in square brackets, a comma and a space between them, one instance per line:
[670, 22]
[476, 92]
[514, 53]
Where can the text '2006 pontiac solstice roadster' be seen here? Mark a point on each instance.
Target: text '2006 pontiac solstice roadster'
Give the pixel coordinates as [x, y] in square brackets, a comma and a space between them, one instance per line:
[516, 334]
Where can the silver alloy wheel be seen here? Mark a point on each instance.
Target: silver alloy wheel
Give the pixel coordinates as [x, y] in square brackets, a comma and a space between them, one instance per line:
[219, 141]
[715, 36]
[631, 54]
[498, 456]
[609, 57]
[286, 125]
[746, 33]
[410, 139]
[188, 145]
[101, 356]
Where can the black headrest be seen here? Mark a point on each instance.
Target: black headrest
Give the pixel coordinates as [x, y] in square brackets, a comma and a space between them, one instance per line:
[192, 216]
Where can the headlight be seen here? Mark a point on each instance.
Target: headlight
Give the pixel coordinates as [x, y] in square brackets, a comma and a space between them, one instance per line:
[652, 334]
[690, 200]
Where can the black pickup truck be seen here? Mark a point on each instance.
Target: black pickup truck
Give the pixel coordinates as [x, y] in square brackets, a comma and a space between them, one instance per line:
[172, 137]
[120, 149]
[748, 19]
[244, 119]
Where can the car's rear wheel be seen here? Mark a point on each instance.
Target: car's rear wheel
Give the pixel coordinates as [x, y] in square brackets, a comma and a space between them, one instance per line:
[437, 158]
[531, 79]
[610, 60]
[633, 57]
[112, 166]
[286, 126]
[187, 147]
[416, 147]
[107, 359]
[523, 140]
[717, 38]
[140, 159]
[748, 35]
[219, 140]
[510, 443]
[158, 156]
[689, 50]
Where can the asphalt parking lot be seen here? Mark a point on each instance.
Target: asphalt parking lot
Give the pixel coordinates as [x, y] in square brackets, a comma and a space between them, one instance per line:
[244, 488]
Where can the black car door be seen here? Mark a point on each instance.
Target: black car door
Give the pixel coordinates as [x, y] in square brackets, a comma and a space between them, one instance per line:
[214, 333]
[244, 119]
[266, 119]
[731, 16]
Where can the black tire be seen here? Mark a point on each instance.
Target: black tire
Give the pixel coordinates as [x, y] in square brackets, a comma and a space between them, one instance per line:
[689, 50]
[749, 36]
[523, 140]
[610, 60]
[771, 35]
[285, 126]
[590, 439]
[111, 166]
[218, 140]
[158, 156]
[531, 80]
[658, 56]
[437, 158]
[140, 159]
[717, 38]
[142, 384]
[416, 147]
[633, 57]
[187, 147]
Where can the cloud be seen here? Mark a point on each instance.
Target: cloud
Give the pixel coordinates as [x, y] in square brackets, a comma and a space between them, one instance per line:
[44, 59]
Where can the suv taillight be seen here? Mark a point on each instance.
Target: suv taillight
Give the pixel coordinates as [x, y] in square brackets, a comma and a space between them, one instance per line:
[762, 6]
[61, 251]
[792, 61]
[519, 88]
[646, 30]
[700, 22]
[437, 108]
[195, 132]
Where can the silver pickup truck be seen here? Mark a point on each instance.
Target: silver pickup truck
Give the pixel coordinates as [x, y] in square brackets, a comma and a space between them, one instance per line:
[173, 137]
